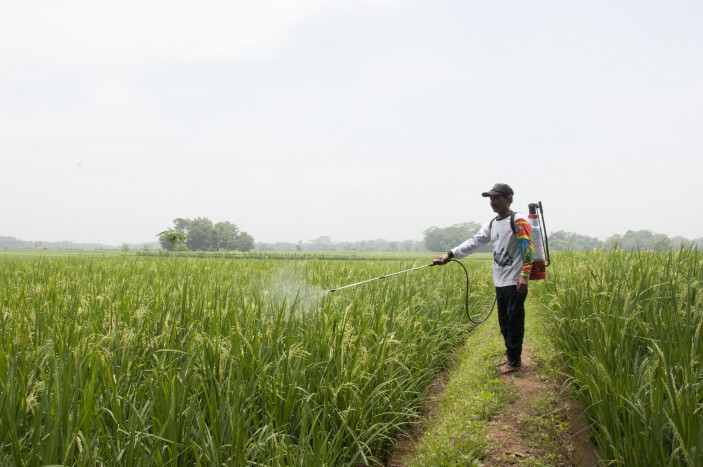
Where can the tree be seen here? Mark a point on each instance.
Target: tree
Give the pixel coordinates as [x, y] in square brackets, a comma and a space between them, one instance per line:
[412, 245]
[568, 241]
[226, 234]
[640, 240]
[244, 242]
[444, 238]
[171, 238]
[181, 224]
[201, 235]
[323, 243]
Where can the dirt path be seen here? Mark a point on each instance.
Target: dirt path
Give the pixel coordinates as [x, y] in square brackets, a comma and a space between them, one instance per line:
[541, 426]
[541, 416]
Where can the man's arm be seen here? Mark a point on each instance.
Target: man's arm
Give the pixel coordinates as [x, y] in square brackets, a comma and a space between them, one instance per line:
[523, 232]
[482, 237]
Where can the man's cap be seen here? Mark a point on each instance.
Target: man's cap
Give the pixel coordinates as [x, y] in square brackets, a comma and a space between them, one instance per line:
[499, 189]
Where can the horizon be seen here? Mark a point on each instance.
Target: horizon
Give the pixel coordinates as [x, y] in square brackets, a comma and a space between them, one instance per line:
[332, 240]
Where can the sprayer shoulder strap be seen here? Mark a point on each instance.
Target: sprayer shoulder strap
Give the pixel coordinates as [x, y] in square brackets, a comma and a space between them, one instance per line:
[512, 222]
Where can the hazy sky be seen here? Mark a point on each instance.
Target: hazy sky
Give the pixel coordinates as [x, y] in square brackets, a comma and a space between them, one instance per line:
[352, 119]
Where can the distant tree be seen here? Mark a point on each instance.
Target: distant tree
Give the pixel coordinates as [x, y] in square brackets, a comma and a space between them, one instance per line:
[326, 244]
[643, 240]
[202, 235]
[568, 241]
[125, 247]
[170, 239]
[181, 224]
[12, 242]
[412, 246]
[244, 242]
[323, 243]
[227, 236]
[444, 238]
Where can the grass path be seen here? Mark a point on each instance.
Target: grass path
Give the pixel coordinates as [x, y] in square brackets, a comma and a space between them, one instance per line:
[474, 416]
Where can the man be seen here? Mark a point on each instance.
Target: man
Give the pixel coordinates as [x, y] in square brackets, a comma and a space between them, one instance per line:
[512, 262]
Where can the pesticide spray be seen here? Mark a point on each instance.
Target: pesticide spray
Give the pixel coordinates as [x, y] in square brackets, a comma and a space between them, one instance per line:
[539, 264]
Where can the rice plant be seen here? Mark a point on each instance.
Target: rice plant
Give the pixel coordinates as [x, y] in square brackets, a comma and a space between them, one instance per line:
[136, 361]
[630, 325]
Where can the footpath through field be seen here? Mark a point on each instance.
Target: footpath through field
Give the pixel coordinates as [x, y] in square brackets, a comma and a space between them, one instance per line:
[475, 416]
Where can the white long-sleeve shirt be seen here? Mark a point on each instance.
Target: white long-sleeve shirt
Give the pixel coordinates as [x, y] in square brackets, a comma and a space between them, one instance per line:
[507, 257]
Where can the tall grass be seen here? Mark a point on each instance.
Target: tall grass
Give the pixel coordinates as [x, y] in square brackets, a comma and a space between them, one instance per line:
[188, 361]
[630, 326]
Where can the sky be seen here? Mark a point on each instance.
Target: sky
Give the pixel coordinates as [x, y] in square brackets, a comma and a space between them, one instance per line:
[355, 119]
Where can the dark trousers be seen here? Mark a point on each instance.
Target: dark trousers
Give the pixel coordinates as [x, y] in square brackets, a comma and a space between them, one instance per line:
[511, 318]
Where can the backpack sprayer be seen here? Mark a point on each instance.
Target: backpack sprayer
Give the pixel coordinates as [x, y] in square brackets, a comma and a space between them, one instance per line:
[539, 263]
[539, 241]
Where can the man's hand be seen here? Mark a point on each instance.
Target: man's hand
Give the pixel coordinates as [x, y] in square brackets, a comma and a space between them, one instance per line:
[444, 259]
[522, 284]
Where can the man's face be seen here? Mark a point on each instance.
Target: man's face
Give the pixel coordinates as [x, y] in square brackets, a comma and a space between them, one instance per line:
[500, 204]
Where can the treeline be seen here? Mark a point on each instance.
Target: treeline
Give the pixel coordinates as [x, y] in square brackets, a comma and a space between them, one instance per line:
[201, 234]
[16, 243]
[643, 240]
[434, 239]
[440, 239]
[325, 244]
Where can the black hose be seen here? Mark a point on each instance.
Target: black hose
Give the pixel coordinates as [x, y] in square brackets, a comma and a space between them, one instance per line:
[468, 315]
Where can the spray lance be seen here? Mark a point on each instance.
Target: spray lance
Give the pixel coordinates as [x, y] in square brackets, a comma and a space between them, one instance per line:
[433, 263]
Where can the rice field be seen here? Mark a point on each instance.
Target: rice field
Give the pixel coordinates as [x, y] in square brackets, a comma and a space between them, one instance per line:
[137, 361]
[147, 360]
[630, 327]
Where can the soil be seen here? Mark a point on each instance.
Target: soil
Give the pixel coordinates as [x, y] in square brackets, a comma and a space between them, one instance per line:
[509, 443]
